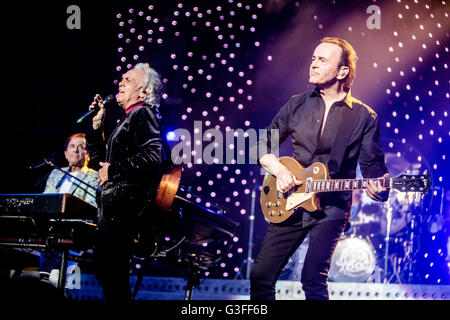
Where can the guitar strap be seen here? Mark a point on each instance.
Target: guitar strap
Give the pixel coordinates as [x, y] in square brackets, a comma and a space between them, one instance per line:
[341, 141]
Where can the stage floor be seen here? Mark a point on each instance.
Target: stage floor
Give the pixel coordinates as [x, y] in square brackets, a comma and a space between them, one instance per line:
[86, 287]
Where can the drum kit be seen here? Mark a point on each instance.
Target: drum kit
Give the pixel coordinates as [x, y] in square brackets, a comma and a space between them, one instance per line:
[381, 243]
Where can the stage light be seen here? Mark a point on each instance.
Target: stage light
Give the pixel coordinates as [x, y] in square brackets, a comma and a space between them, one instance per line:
[170, 136]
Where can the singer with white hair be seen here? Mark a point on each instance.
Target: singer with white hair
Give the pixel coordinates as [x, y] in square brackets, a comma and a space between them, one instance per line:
[130, 162]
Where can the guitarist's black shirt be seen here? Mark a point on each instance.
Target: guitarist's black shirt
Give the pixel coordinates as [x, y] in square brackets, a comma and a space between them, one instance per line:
[301, 119]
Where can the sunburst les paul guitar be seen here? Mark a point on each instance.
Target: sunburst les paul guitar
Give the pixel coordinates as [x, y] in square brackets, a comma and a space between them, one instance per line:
[277, 206]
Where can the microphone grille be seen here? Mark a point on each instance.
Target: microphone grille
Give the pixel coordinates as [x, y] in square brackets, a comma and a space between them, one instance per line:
[108, 99]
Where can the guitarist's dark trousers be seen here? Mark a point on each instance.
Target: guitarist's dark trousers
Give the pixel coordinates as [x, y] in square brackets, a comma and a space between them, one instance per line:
[280, 242]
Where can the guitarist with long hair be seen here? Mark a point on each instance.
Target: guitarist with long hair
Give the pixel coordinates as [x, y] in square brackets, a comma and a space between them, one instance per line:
[329, 126]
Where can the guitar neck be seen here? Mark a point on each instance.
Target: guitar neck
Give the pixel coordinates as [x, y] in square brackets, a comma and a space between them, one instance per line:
[344, 184]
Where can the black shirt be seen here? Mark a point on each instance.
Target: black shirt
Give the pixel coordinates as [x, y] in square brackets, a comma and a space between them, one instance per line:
[301, 118]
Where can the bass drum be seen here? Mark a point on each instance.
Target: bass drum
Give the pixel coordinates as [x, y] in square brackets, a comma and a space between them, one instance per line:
[353, 261]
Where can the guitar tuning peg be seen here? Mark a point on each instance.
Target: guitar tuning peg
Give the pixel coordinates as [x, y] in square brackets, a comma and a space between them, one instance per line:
[425, 172]
[408, 172]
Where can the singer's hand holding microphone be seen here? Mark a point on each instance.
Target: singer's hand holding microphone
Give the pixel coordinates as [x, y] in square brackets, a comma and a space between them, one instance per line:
[97, 107]
[98, 104]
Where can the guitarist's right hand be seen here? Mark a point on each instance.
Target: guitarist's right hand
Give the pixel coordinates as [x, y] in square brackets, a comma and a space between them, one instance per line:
[285, 179]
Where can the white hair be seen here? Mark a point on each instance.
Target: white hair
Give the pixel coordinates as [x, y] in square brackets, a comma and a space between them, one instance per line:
[153, 82]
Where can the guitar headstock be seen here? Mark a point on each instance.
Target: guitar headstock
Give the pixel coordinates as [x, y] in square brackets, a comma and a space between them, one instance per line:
[412, 182]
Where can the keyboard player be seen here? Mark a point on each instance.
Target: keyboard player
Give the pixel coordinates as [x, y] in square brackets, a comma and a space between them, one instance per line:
[58, 182]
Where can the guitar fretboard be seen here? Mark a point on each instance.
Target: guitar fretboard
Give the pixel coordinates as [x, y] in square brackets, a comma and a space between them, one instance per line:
[344, 184]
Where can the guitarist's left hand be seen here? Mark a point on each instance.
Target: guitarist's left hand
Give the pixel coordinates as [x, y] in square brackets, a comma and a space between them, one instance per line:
[376, 191]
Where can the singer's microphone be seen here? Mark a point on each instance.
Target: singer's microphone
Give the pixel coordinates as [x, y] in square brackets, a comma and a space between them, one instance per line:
[87, 114]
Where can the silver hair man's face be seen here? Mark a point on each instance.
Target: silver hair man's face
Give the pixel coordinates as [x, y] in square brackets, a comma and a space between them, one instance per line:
[130, 90]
